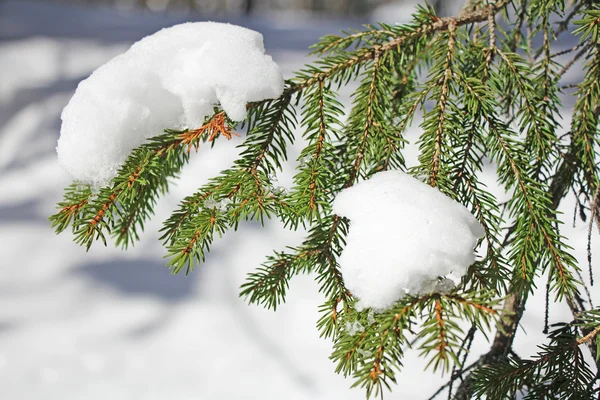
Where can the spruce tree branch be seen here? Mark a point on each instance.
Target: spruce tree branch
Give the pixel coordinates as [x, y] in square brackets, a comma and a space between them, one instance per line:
[589, 336]
[319, 146]
[345, 41]
[529, 202]
[139, 165]
[368, 121]
[517, 32]
[189, 205]
[370, 53]
[441, 330]
[285, 101]
[376, 370]
[532, 365]
[578, 56]
[332, 268]
[513, 311]
[514, 306]
[435, 162]
[527, 196]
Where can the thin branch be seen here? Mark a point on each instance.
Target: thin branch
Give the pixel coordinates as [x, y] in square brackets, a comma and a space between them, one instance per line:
[369, 53]
[435, 162]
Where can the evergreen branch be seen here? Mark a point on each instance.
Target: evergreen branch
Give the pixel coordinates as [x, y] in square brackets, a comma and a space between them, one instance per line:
[364, 109]
[188, 206]
[336, 43]
[267, 136]
[560, 365]
[76, 197]
[245, 186]
[195, 241]
[534, 119]
[435, 161]
[373, 356]
[406, 34]
[318, 148]
[584, 126]
[558, 257]
[329, 275]
[128, 202]
[440, 332]
[328, 239]
[267, 286]
[514, 305]
[318, 251]
[514, 172]
[318, 177]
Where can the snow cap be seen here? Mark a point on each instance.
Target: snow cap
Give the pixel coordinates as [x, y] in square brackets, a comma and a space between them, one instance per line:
[171, 79]
[404, 235]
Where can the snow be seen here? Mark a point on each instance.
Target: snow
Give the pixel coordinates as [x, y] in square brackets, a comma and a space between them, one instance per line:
[405, 237]
[352, 328]
[171, 79]
[220, 205]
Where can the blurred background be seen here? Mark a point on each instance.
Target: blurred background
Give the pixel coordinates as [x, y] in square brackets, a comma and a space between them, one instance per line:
[338, 8]
[117, 325]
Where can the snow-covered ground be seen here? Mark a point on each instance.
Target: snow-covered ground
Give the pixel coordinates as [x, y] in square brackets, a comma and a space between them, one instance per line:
[116, 325]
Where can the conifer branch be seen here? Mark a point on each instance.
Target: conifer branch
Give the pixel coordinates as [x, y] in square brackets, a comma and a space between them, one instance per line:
[425, 29]
[368, 119]
[435, 162]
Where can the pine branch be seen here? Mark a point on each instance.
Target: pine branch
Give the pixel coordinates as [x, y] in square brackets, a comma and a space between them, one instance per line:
[318, 173]
[514, 306]
[124, 206]
[439, 138]
[558, 370]
[404, 34]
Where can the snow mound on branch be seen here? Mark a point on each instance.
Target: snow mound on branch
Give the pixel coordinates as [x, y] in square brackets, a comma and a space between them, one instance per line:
[405, 237]
[171, 79]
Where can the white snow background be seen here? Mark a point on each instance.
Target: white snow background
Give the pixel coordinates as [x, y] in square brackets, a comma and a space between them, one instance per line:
[116, 325]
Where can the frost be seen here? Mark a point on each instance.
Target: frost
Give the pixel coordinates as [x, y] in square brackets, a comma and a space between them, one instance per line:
[220, 205]
[274, 187]
[305, 160]
[211, 203]
[171, 79]
[364, 353]
[223, 204]
[370, 317]
[278, 190]
[352, 328]
[405, 237]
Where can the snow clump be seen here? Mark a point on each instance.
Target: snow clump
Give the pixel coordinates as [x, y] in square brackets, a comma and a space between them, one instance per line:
[171, 79]
[405, 237]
